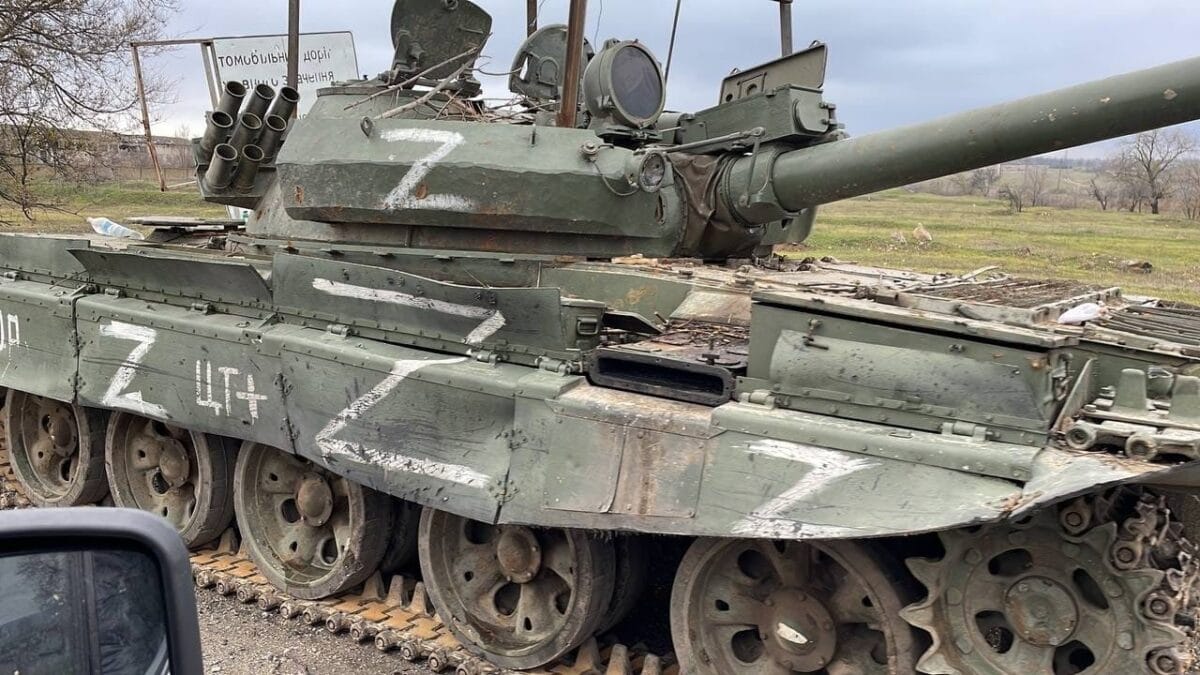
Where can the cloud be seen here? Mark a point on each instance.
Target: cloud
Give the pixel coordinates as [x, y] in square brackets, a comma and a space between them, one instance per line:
[890, 63]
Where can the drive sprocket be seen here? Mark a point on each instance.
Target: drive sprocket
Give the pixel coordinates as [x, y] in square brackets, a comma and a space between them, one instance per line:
[1103, 584]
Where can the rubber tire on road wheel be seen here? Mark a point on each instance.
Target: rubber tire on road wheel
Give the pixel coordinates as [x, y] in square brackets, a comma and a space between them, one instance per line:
[890, 591]
[370, 524]
[633, 571]
[401, 552]
[214, 457]
[90, 483]
[594, 570]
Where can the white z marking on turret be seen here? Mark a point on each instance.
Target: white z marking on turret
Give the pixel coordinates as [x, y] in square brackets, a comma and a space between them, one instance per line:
[492, 319]
[405, 196]
[333, 448]
[827, 466]
[116, 396]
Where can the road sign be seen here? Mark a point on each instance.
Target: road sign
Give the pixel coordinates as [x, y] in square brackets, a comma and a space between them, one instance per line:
[325, 58]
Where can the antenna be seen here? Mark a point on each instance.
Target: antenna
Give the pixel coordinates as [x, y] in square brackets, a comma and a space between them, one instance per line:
[671, 49]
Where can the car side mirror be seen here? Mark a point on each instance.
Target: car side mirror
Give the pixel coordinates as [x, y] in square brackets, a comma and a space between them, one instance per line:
[95, 590]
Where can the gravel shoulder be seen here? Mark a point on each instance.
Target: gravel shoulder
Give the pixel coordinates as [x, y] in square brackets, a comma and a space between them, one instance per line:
[243, 640]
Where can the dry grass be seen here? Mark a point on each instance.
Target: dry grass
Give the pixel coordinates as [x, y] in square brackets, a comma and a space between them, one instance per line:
[971, 232]
[117, 201]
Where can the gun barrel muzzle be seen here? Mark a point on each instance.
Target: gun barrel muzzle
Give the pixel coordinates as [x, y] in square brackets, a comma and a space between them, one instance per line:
[285, 104]
[231, 98]
[220, 172]
[218, 128]
[260, 100]
[252, 157]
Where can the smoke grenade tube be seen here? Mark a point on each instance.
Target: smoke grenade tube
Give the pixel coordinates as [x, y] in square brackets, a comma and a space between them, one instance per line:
[285, 104]
[246, 133]
[252, 157]
[231, 98]
[219, 126]
[260, 100]
[220, 172]
[272, 136]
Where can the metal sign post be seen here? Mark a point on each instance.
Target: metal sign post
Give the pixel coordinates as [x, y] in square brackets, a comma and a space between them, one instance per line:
[141, 91]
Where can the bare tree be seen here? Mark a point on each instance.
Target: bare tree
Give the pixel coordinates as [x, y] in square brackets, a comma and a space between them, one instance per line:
[982, 180]
[1016, 201]
[1033, 184]
[64, 67]
[1189, 189]
[961, 183]
[1102, 192]
[1146, 164]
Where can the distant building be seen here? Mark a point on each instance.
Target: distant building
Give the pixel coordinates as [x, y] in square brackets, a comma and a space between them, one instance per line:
[104, 156]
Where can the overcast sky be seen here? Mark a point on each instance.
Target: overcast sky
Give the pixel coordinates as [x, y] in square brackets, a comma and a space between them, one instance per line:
[891, 63]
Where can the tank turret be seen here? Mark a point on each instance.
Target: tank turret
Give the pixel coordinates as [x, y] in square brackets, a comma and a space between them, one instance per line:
[383, 163]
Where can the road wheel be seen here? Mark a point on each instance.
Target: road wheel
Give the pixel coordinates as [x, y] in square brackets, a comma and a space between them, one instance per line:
[56, 449]
[312, 533]
[521, 597]
[761, 607]
[184, 476]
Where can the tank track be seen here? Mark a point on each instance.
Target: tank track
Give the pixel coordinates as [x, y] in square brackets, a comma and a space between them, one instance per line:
[395, 616]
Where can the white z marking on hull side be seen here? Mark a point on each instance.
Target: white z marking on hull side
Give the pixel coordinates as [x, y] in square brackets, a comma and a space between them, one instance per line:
[116, 396]
[332, 448]
[827, 466]
[492, 319]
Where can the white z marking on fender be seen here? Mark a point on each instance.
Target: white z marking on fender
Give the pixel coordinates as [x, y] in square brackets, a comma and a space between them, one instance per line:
[116, 396]
[332, 447]
[492, 319]
[827, 466]
[404, 195]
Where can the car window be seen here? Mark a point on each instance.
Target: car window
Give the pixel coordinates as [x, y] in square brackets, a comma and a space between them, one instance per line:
[82, 612]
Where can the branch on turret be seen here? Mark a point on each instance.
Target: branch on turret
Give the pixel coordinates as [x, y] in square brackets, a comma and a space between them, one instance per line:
[440, 86]
[415, 78]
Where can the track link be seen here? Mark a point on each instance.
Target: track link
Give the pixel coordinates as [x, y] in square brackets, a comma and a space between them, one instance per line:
[395, 616]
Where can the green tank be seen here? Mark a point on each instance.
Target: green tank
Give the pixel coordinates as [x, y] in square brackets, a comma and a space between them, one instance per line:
[531, 348]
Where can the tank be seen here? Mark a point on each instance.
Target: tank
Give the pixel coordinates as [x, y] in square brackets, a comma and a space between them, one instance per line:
[546, 355]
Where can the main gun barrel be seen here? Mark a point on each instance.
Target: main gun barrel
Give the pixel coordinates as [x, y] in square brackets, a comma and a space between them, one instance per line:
[1086, 113]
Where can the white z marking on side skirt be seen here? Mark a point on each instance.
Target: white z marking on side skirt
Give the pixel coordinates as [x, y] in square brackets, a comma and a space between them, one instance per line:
[492, 319]
[116, 396]
[332, 447]
[827, 466]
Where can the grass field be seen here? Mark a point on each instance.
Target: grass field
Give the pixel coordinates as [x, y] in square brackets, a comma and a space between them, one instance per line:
[117, 201]
[968, 233]
[972, 232]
